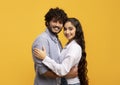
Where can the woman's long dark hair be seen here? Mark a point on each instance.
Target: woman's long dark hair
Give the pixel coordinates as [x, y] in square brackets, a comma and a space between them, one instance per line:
[79, 37]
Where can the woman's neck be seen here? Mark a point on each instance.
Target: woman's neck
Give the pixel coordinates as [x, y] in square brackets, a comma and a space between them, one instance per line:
[69, 41]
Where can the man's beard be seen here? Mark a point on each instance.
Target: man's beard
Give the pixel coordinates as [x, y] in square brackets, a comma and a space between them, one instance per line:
[50, 29]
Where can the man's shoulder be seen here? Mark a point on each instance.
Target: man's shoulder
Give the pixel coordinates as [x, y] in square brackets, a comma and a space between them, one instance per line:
[43, 35]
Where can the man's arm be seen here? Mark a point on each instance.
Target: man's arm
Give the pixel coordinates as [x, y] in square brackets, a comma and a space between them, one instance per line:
[41, 68]
[73, 72]
[50, 74]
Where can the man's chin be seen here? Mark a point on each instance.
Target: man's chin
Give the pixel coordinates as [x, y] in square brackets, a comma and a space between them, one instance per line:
[56, 32]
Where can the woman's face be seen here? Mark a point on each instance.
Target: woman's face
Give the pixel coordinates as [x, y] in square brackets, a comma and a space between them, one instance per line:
[69, 31]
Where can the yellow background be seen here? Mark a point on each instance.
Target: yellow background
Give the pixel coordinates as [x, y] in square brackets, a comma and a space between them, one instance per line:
[21, 21]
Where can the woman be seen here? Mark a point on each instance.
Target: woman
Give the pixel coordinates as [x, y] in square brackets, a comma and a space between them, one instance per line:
[72, 55]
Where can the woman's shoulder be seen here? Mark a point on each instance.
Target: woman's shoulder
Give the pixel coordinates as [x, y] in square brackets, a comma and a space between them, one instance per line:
[75, 46]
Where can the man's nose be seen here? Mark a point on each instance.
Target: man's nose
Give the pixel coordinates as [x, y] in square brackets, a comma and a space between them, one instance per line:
[57, 23]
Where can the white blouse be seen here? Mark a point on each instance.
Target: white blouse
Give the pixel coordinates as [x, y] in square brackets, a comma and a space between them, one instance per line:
[70, 56]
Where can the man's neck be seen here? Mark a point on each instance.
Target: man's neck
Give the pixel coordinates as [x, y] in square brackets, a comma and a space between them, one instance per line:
[53, 33]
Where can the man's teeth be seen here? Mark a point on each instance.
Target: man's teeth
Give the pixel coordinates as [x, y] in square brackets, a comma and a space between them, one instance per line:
[56, 28]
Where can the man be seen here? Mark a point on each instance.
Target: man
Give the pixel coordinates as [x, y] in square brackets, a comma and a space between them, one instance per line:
[55, 19]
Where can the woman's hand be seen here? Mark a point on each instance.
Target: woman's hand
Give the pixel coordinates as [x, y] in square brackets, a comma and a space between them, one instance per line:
[41, 54]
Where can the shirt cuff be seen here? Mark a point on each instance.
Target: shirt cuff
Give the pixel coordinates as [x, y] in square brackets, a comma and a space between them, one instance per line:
[46, 59]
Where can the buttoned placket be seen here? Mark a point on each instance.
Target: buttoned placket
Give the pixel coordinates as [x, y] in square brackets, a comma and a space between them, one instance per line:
[57, 45]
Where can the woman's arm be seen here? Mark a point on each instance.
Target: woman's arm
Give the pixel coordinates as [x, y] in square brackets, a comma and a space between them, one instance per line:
[69, 61]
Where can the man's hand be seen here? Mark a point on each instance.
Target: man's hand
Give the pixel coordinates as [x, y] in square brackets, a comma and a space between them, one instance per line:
[73, 72]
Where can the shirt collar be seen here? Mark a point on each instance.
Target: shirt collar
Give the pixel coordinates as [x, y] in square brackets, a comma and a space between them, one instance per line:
[52, 36]
[68, 45]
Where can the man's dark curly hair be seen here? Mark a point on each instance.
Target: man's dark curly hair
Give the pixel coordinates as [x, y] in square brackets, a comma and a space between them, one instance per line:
[57, 14]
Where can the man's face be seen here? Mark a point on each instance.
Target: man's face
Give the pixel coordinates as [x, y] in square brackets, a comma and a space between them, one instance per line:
[55, 26]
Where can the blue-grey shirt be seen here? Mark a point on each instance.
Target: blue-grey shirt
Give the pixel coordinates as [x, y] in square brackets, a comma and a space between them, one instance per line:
[51, 43]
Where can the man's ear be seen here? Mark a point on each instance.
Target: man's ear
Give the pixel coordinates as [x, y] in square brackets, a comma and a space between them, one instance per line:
[47, 23]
